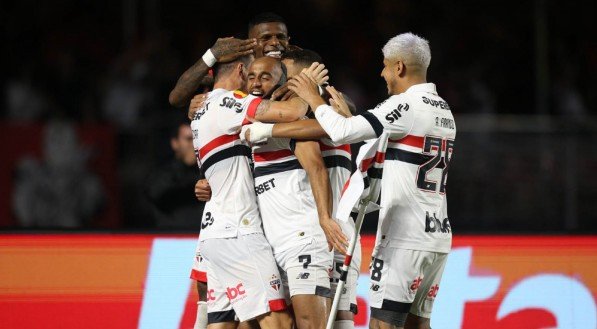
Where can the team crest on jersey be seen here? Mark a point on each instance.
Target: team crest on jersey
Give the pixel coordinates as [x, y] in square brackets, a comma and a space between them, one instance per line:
[275, 282]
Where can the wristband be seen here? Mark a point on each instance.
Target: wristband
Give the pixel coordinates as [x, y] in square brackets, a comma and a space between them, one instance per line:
[209, 58]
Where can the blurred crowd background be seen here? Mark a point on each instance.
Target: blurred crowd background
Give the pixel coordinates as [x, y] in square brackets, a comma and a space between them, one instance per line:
[89, 141]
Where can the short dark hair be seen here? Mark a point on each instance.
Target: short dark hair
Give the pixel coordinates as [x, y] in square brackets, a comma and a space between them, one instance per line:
[302, 57]
[267, 17]
[220, 69]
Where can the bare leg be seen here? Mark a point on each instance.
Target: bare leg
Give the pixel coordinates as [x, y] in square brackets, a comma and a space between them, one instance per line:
[274, 320]
[311, 311]
[417, 322]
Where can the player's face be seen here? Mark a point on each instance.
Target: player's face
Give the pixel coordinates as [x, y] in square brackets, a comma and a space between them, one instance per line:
[182, 145]
[390, 75]
[272, 39]
[264, 75]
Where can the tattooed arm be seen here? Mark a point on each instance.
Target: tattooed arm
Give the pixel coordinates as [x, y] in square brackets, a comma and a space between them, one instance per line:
[224, 50]
[286, 111]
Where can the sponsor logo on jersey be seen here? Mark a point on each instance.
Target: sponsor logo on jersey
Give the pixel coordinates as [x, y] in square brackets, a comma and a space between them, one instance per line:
[397, 112]
[275, 282]
[414, 286]
[439, 104]
[432, 292]
[433, 224]
[375, 287]
[231, 103]
[265, 186]
[303, 276]
[211, 295]
[236, 293]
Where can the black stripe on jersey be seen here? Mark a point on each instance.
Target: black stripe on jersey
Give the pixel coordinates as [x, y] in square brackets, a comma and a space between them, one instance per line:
[366, 182]
[375, 124]
[375, 172]
[236, 150]
[409, 157]
[277, 167]
[332, 161]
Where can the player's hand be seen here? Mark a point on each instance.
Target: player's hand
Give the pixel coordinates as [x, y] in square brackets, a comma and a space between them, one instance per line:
[338, 102]
[229, 49]
[196, 104]
[317, 73]
[333, 233]
[283, 93]
[202, 190]
[257, 133]
[306, 89]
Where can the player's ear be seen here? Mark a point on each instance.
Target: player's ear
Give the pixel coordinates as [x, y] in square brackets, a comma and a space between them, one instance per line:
[400, 68]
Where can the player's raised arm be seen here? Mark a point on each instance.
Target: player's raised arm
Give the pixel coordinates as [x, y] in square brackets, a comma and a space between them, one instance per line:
[309, 156]
[224, 50]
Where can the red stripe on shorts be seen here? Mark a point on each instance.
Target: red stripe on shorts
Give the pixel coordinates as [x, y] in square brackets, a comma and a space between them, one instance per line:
[276, 305]
[198, 276]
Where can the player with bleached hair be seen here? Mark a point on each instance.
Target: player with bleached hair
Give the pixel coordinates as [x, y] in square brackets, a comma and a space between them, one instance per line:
[414, 234]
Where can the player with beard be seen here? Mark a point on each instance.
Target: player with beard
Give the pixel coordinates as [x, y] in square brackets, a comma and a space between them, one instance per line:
[295, 202]
[337, 158]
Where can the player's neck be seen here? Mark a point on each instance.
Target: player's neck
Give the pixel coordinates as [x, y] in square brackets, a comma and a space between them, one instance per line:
[228, 83]
[411, 81]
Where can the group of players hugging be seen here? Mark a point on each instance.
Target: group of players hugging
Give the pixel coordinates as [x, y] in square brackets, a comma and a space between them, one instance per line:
[273, 140]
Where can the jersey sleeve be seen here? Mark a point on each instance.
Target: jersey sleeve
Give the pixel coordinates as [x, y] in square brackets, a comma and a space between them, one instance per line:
[241, 107]
[394, 115]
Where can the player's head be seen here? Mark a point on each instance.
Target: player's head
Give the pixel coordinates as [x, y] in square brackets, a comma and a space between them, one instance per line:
[406, 58]
[298, 59]
[266, 74]
[181, 141]
[271, 33]
[234, 72]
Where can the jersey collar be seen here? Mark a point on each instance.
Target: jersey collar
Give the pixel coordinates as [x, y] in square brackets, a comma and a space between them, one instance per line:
[422, 87]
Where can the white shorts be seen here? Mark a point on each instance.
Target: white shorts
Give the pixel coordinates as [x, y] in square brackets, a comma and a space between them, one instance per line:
[306, 269]
[406, 281]
[199, 269]
[348, 299]
[242, 278]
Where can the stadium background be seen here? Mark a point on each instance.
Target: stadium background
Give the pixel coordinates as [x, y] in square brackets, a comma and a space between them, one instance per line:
[86, 120]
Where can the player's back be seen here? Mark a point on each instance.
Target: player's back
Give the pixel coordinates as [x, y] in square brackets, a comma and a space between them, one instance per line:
[414, 206]
[225, 161]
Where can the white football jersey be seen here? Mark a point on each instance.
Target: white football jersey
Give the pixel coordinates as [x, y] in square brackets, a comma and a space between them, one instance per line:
[286, 202]
[226, 163]
[338, 161]
[414, 213]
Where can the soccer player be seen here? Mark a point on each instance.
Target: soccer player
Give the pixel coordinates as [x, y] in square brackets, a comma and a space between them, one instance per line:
[294, 197]
[243, 279]
[268, 36]
[337, 159]
[414, 233]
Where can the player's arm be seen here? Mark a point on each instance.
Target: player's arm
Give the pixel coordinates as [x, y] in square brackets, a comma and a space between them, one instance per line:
[394, 115]
[285, 111]
[224, 50]
[309, 156]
